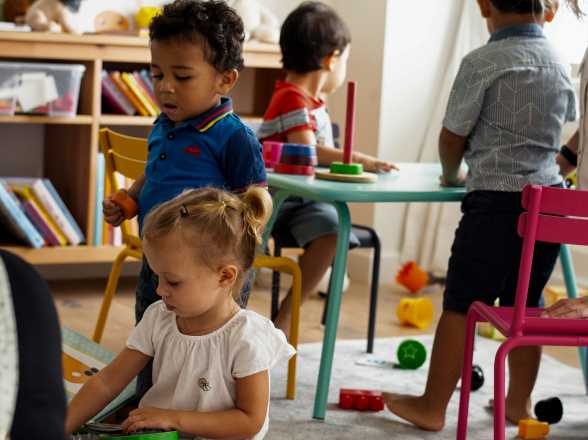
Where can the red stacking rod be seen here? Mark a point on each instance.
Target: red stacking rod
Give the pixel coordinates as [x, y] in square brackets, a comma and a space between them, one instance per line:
[349, 122]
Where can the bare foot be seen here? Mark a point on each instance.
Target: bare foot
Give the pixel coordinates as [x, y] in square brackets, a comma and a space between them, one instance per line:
[514, 413]
[415, 410]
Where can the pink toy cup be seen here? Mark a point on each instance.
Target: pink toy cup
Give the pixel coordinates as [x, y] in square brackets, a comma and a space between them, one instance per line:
[271, 153]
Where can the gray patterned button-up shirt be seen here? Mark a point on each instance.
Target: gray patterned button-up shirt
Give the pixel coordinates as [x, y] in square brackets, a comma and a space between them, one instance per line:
[511, 98]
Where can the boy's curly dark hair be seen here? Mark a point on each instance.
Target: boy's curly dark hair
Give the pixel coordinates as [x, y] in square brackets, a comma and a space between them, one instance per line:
[520, 6]
[212, 23]
[311, 32]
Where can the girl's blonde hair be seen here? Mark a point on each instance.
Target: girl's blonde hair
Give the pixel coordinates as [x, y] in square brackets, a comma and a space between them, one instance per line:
[574, 5]
[223, 228]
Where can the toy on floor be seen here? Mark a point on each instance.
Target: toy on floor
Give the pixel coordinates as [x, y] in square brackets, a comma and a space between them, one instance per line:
[552, 294]
[530, 429]
[477, 378]
[347, 171]
[411, 355]
[360, 400]
[417, 312]
[411, 276]
[126, 203]
[296, 159]
[549, 410]
[54, 16]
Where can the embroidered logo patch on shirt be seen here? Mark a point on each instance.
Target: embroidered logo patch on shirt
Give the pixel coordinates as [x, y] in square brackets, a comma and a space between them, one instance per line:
[203, 384]
[194, 150]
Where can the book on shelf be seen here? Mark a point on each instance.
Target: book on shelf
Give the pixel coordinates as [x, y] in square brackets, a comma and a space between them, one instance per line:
[16, 223]
[131, 82]
[38, 217]
[122, 86]
[49, 199]
[144, 78]
[146, 91]
[114, 99]
[99, 218]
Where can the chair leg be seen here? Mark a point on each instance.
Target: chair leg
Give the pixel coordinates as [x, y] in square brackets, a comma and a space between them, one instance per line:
[276, 285]
[466, 376]
[108, 295]
[499, 390]
[374, 293]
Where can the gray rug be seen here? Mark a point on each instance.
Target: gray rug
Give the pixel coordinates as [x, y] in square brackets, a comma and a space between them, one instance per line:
[293, 419]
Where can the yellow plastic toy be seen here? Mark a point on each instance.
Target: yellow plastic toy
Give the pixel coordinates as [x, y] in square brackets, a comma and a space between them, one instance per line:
[552, 294]
[145, 14]
[417, 312]
[530, 429]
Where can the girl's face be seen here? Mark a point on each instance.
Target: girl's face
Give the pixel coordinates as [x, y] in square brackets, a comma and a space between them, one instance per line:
[186, 286]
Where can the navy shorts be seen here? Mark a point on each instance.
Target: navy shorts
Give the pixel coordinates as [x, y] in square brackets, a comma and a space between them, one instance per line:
[307, 220]
[486, 252]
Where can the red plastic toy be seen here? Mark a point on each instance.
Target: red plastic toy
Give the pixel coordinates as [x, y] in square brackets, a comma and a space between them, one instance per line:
[360, 400]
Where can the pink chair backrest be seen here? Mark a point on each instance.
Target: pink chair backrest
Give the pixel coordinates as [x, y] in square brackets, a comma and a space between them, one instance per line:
[554, 215]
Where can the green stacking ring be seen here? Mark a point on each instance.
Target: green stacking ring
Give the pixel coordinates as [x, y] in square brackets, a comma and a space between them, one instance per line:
[354, 169]
[172, 435]
[411, 354]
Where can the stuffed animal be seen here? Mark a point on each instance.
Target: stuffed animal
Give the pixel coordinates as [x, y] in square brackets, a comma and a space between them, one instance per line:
[260, 23]
[54, 16]
[15, 10]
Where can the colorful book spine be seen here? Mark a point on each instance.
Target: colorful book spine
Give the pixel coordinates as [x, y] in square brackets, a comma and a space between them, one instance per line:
[15, 218]
[114, 97]
[37, 217]
[147, 91]
[130, 81]
[99, 198]
[72, 225]
[148, 81]
[117, 79]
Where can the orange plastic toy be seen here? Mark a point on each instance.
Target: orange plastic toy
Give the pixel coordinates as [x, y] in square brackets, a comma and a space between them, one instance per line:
[417, 312]
[530, 429]
[126, 203]
[412, 277]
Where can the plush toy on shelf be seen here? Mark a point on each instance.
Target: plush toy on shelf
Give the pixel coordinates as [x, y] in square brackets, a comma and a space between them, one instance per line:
[54, 16]
[260, 23]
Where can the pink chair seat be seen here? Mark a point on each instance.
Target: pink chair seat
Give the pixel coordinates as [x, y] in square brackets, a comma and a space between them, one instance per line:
[502, 318]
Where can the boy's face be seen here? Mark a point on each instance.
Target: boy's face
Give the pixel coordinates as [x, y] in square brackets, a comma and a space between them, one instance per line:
[336, 64]
[185, 84]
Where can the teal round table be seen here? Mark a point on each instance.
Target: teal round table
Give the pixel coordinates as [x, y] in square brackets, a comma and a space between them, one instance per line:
[415, 182]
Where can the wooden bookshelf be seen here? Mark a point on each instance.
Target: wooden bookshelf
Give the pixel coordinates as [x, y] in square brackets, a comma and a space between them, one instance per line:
[71, 144]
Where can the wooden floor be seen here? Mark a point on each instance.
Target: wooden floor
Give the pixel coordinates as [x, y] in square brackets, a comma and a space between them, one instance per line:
[78, 303]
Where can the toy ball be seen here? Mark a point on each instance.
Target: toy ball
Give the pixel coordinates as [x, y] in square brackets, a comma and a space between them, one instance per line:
[549, 410]
[411, 354]
[477, 378]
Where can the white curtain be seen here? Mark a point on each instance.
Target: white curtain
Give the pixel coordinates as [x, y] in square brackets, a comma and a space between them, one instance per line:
[429, 228]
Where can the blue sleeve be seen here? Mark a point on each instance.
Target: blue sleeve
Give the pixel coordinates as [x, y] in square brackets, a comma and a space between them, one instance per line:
[243, 161]
[465, 101]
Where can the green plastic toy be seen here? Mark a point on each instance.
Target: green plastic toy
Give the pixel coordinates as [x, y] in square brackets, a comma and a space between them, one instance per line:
[411, 354]
[172, 435]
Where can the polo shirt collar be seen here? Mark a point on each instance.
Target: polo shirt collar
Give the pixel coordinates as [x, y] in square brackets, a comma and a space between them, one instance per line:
[205, 120]
[529, 30]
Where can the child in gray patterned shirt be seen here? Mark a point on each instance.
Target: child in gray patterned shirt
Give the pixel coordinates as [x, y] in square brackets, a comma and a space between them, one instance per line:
[504, 117]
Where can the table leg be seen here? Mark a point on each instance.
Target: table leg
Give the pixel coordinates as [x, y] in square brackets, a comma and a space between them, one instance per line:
[339, 267]
[565, 258]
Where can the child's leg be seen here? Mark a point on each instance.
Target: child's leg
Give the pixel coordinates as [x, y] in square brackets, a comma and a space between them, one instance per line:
[428, 411]
[145, 295]
[315, 261]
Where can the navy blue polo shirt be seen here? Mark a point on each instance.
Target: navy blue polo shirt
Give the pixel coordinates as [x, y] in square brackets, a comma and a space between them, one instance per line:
[213, 149]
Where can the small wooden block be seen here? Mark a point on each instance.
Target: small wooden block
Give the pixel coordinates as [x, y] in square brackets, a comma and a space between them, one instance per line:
[346, 168]
[359, 178]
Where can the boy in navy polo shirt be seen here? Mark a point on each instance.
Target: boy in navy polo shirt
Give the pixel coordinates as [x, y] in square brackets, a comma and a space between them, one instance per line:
[197, 141]
[504, 117]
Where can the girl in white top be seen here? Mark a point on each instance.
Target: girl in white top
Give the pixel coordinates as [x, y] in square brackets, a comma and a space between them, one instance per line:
[210, 358]
[575, 154]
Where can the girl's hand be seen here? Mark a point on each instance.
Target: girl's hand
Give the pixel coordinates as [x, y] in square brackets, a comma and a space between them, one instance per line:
[375, 165]
[568, 308]
[149, 418]
[112, 212]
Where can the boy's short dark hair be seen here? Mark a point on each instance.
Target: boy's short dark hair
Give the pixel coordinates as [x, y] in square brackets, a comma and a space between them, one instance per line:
[211, 23]
[311, 32]
[520, 6]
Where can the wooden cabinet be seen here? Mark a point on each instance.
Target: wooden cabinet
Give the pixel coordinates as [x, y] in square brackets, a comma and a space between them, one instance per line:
[71, 144]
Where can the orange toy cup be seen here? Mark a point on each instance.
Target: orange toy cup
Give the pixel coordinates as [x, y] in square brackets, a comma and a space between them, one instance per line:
[126, 203]
[412, 277]
[417, 312]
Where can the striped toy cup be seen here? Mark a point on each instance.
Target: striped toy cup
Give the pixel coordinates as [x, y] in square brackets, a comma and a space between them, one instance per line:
[272, 151]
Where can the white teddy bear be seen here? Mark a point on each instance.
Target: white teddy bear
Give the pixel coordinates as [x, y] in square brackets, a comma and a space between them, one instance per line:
[260, 23]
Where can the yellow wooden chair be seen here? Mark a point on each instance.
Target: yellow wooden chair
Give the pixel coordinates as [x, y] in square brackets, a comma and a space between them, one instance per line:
[127, 155]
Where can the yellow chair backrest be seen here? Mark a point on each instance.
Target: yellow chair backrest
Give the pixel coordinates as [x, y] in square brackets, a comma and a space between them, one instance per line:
[126, 155]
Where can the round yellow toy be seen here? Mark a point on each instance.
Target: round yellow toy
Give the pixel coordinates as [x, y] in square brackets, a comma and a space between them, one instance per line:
[145, 14]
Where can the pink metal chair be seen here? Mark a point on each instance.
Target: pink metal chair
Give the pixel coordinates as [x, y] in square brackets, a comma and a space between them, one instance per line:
[553, 215]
